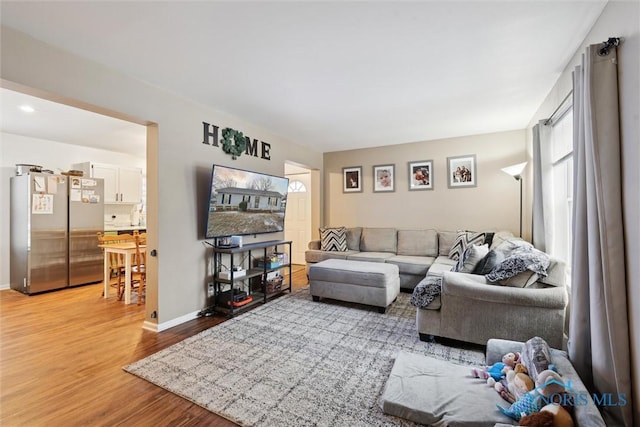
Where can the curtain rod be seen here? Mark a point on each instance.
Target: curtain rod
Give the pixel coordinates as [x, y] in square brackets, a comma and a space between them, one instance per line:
[612, 42]
[553, 115]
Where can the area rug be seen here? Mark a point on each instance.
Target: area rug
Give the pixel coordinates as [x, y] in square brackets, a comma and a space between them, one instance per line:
[296, 362]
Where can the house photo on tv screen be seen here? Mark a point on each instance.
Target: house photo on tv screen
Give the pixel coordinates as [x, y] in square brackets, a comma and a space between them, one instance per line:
[243, 202]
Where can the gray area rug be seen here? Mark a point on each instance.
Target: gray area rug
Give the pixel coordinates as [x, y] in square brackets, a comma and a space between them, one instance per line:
[296, 362]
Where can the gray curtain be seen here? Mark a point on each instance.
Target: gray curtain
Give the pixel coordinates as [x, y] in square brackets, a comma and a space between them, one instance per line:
[542, 177]
[599, 329]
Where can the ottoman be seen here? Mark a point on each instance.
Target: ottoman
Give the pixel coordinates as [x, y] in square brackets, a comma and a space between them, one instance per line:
[371, 283]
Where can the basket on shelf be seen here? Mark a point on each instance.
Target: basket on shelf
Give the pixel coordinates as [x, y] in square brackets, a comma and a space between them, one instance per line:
[275, 284]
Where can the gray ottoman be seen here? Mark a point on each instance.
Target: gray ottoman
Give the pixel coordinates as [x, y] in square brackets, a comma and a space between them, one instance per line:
[371, 283]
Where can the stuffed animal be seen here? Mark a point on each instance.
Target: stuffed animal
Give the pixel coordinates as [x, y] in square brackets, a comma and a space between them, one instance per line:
[548, 386]
[517, 384]
[490, 372]
[551, 415]
[497, 371]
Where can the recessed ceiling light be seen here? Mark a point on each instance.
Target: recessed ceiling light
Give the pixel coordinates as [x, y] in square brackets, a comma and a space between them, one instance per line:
[27, 108]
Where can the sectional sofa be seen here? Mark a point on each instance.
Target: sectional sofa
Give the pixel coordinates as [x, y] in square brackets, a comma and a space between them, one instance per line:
[469, 307]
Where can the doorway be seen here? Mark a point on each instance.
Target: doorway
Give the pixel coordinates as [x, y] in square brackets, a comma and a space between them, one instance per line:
[297, 224]
[47, 138]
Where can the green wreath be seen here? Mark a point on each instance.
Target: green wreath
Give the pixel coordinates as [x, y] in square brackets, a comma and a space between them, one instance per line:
[233, 142]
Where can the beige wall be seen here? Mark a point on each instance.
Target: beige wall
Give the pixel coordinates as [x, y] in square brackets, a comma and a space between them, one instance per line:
[492, 205]
[178, 164]
[619, 19]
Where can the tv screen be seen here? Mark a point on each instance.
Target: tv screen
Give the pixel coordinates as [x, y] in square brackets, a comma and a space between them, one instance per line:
[243, 202]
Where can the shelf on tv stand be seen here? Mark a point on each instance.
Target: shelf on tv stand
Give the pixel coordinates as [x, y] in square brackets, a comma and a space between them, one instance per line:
[259, 296]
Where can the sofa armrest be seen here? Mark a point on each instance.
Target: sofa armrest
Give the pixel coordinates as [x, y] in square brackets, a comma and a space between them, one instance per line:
[314, 244]
[496, 348]
[476, 287]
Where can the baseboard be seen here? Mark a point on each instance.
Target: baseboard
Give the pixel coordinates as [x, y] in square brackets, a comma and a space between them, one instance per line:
[5, 287]
[171, 323]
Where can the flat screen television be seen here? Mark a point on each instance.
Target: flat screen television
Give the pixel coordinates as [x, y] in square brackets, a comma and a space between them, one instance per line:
[243, 202]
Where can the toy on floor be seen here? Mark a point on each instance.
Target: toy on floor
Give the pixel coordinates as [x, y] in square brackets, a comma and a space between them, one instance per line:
[515, 385]
[548, 386]
[551, 415]
[497, 371]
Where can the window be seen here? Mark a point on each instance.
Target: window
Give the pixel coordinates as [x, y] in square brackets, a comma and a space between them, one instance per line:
[297, 187]
[562, 192]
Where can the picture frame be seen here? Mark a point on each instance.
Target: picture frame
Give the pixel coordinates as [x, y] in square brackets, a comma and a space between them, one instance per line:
[352, 179]
[384, 178]
[462, 172]
[421, 175]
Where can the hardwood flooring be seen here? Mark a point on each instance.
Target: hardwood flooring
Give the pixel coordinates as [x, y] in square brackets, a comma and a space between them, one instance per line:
[61, 359]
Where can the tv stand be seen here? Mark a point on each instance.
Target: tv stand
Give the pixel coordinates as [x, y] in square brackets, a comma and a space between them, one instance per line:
[259, 261]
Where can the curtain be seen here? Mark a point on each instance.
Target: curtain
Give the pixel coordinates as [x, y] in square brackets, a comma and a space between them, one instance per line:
[542, 184]
[599, 343]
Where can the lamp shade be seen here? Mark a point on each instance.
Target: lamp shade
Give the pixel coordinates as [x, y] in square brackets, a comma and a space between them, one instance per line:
[515, 170]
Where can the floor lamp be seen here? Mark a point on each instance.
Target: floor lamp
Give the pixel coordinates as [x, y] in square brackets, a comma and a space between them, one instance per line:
[516, 172]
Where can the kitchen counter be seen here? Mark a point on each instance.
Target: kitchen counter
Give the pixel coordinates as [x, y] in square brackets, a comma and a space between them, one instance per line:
[111, 227]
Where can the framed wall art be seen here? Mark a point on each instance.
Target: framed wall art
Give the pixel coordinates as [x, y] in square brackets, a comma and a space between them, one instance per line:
[462, 171]
[383, 178]
[421, 175]
[352, 179]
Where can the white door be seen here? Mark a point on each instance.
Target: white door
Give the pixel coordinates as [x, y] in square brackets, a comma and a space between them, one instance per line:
[130, 184]
[297, 226]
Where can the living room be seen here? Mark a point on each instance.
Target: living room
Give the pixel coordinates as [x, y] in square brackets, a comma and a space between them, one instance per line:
[179, 165]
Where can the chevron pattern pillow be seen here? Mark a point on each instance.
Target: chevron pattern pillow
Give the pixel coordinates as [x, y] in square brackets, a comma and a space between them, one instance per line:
[465, 239]
[333, 239]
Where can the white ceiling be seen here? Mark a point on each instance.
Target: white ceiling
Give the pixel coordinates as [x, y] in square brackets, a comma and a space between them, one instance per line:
[58, 122]
[333, 75]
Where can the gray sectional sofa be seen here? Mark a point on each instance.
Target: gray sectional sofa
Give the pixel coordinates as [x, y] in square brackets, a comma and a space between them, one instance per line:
[469, 307]
[413, 251]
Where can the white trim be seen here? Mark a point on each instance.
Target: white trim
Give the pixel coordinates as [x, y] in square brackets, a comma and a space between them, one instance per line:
[150, 326]
[171, 323]
[5, 287]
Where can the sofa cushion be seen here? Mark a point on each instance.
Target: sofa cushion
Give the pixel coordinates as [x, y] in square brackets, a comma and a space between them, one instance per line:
[379, 240]
[446, 239]
[526, 279]
[371, 256]
[312, 256]
[417, 265]
[437, 392]
[464, 239]
[471, 257]
[556, 274]
[499, 237]
[333, 239]
[418, 242]
[353, 238]
[442, 264]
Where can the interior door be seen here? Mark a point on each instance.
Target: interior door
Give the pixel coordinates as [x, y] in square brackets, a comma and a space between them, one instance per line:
[297, 227]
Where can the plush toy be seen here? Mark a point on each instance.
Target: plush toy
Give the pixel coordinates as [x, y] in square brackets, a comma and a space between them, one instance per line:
[497, 371]
[490, 372]
[517, 384]
[551, 415]
[548, 385]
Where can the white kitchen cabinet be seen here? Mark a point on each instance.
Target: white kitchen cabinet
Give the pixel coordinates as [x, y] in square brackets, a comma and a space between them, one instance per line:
[122, 184]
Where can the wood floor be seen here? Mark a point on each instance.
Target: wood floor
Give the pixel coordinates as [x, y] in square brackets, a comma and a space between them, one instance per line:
[61, 359]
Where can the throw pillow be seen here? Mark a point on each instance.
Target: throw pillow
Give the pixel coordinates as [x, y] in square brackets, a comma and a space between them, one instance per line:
[464, 239]
[488, 263]
[333, 239]
[471, 257]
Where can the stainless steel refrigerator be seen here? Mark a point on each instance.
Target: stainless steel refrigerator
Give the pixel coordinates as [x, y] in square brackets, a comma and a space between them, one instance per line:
[53, 224]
